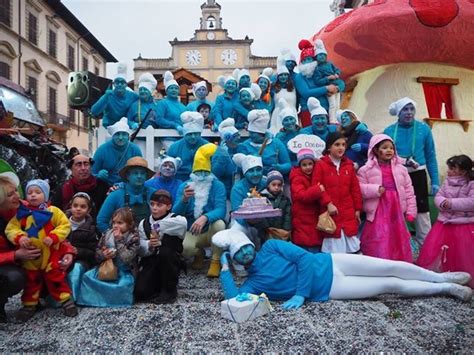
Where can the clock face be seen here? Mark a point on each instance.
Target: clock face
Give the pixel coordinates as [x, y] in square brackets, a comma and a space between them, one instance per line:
[211, 36]
[228, 56]
[193, 57]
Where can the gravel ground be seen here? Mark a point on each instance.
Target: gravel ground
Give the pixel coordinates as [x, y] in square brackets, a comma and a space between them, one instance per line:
[193, 324]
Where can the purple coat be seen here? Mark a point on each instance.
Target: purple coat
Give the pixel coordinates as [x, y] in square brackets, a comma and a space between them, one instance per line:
[460, 193]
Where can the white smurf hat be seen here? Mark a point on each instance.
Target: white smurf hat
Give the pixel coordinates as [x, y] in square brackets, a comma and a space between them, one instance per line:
[121, 71]
[287, 55]
[192, 122]
[319, 47]
[266, 73]
[258, 121]
[395, 107]
[281, 66]
[222, 80]
[254, 91]
[247, 162]
[119, 126]
[198, 85]
[175, 161]
[286, 109]
[315, 108]
[147, 81]
[168, 79]
[231, 239]
[227, 128]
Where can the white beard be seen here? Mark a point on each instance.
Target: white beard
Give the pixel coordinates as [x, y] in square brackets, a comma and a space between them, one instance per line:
[201, 193]
[307, 70]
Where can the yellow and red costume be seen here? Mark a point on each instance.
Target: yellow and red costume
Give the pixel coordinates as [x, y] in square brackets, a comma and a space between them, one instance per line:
[37, 224]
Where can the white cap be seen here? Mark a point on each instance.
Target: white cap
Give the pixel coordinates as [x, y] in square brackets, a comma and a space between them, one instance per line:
[175, 161]
[247, 162]
[231, 239]
[227, 128]
[121, 71]
[254, 91]
[315, 108]
[222, 80]
[395, 107]
[281, 66]
[287, 55]
[168, 79]
[340, 112]
[148, 81]
[119, 126]
[319, 47]
[238, 73]
[198, 85]
[286, 109]
[266, 73]
[192, 122]
[258, 121]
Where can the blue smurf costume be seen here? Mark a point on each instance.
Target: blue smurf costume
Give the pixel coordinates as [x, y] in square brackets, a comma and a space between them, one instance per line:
[288, 118]
[319, 120]
[225, 102]
[167, 180]
[200, 92]
[265, 102]
[248, 97]
[138, 110]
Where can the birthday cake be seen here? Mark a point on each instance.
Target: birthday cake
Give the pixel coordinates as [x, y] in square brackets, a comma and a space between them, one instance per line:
[255, 207]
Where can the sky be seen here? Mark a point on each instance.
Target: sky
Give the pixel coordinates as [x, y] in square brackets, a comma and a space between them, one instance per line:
[128, 28]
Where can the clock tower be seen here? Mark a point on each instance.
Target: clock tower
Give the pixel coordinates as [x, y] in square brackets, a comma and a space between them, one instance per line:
[208, 54]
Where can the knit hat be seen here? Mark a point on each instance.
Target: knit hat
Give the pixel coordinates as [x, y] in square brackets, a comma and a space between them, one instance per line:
[315, 108]
[41, 184]
[136, 162]
[198, 85]
[340, 112]
[193, 122]
[319, 46]
[254, 91]
[307, 49]
[147, 81]
[175, 161]
[227, 129]
[266, 74]
[161, 196]
[168, 79]
[258, 121]
[231, 239]
[274, 175]
[287, 55]
[331, 138]
[119, 126]
[305, 153]
[281, 66]
[202, 158]
[121, 71]
[395, 107]
[247, 162]
[222, 80]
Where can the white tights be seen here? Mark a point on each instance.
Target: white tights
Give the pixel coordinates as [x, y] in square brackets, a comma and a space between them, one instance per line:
[359, 276]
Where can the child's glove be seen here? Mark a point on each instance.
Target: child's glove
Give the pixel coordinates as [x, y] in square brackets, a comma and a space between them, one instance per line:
[434, 189]
[410, 218]
[356, 147]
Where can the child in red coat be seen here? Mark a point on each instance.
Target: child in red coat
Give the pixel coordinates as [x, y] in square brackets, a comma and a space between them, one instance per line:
[305, 207]
[342, 197]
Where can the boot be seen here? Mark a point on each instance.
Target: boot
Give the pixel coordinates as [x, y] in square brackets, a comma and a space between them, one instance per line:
[69, 308]
[198, 262]
[458, 277]
[214, 268]
[166, 297]
[25, 313]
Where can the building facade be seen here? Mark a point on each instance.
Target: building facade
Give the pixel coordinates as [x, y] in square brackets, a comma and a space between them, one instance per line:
[209, 54]
[40, 43]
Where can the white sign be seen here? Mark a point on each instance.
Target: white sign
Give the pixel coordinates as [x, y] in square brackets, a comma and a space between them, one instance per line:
[308, 141]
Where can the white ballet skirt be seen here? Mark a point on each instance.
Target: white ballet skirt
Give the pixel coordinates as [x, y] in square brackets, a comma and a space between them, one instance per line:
[341, 245]
[276, 120]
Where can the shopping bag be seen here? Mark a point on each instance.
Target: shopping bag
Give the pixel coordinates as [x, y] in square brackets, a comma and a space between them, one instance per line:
[245, 307]
[107, 271]
[325, 223]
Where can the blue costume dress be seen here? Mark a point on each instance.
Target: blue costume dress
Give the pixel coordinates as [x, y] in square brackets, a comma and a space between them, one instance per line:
[168, 113]
[223, 107]
[113, 107]
[186, 152]
[321, 134]
[282, 270]
[112, 158]
[162, 183]
[134, 117]
[119, 293]
[275, 153]
[223, 167]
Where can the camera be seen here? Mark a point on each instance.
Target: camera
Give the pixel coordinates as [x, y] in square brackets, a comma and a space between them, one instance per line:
[411, 163]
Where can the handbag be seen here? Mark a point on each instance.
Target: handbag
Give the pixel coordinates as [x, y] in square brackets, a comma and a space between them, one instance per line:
[326, 224]
[107, 271]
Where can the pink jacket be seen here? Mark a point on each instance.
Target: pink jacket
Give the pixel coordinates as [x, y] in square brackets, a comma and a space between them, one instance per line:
[370, 179]
[460, 193]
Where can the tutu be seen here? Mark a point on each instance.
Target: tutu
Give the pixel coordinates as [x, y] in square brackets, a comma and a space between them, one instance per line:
[387, 236]
[449, 247]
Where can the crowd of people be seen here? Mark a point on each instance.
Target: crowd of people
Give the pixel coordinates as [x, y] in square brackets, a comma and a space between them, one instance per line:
[117, 232]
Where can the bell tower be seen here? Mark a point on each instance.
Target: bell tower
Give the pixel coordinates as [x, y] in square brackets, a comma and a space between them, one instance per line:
[211, 16]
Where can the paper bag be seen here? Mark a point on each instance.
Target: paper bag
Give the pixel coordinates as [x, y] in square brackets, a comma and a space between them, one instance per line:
[326, 224]
[241, 310]
[107, 271]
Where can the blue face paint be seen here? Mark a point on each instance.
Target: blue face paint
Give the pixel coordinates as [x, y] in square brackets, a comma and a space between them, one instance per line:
[201, 92]
[120, 138]
[120, 86]
[136, 176]
[320, 122]
[192, 138]
[307, 60]
[230, 86]
[244, 81]
[407, 115]
[264, 84]
[321, 58]
[290, 65]
[254, 175]
[245, 98]
[234, 140]
[245, 255]
[346, 119]
[289, 123]
[144, 94]
[172, 92]
[283, 78]
[201, 174]
[256, 137]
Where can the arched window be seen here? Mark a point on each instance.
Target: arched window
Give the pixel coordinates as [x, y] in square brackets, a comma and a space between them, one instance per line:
[211, 22]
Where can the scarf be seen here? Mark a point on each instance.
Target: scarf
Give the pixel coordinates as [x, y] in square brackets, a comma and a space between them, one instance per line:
[351, 134]
[73, 186]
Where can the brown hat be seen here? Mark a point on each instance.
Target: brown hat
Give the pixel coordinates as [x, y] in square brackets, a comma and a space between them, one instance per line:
[136, 162]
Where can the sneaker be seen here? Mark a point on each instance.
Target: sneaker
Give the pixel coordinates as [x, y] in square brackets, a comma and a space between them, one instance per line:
[69, 308]
[462, 293]
[25, 313]
[166, 297]
[457, 277]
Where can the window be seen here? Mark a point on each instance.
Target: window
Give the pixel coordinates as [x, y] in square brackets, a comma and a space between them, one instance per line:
[85, 120]
[85, 64]
[71, 114]
[32, 23]
[51, 43]
[32, 84]
[52, 103]
[5, 70]
[5, 12]
[70, 57]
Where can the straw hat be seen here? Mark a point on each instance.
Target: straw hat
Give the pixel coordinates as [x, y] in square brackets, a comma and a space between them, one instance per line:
[136, 162]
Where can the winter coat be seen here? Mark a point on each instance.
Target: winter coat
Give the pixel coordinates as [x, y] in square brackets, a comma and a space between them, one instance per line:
[343, 190]
[370, 179]
[282, 202]
[85, 239]
[460, 193]
[305, 209]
